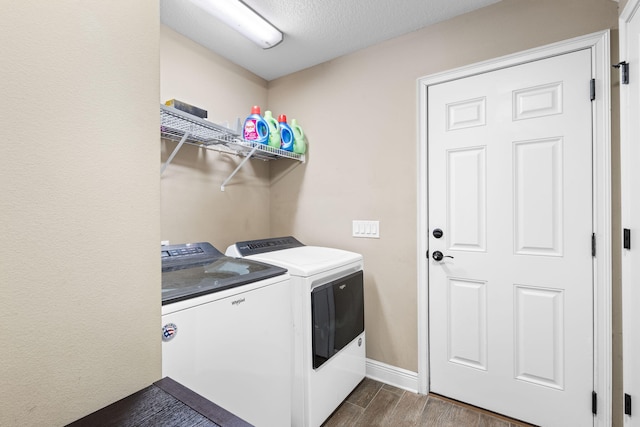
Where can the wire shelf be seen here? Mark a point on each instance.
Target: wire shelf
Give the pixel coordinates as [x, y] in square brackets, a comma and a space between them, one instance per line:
[185, 128]
[175, 123]
[262, 151]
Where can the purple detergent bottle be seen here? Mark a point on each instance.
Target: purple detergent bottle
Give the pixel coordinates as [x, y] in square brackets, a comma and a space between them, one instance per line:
[256, 128]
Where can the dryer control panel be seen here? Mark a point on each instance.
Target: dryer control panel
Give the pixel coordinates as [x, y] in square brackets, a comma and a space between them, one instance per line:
[254, 247]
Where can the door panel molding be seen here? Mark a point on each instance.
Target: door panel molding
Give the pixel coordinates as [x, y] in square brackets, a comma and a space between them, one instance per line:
[538, 228]
[467, 325]
[468, 197]
[547, 368]
[599, 44]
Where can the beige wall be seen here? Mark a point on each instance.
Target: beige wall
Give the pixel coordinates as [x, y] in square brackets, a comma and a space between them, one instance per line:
[359, 112]
[79, 215]
[193, 207]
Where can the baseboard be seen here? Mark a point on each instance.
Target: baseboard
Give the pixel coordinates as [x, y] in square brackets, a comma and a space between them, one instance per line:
[392, 375]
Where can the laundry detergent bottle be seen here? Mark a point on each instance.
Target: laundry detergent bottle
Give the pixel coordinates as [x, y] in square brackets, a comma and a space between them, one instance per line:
[299, 146]
[256, 128]
[286, 134]
[274, 129]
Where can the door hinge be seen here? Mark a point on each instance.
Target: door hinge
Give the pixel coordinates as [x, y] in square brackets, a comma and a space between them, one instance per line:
[626, 238]
[592, 86]
[624, 67]
[593, 244]
[594, 403]
[627, 404]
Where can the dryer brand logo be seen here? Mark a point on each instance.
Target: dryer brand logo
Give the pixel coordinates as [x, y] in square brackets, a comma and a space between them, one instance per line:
[342, 287]
[237, 302]
[169, 331]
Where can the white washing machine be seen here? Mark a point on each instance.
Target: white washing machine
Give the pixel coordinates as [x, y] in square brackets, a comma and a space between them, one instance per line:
[328, 316]
[227, 331]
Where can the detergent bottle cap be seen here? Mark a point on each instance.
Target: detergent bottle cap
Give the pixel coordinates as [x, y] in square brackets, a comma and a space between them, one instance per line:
[282, 118]
[255, 109]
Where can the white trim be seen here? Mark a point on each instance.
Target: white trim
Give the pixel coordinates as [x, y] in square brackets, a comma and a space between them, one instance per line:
[600, 48]
[627, 200]
[423, 244]
[603, 341]
[627, 14]
[392, 375]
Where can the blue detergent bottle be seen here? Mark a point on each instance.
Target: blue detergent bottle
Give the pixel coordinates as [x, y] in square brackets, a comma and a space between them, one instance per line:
[286, 134]
[256, 128]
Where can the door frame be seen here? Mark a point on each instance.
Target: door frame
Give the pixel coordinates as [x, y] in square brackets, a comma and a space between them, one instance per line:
[599, 44]
[631, 9]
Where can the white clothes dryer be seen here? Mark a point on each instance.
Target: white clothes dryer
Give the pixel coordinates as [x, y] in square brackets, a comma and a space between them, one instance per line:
[328, 312]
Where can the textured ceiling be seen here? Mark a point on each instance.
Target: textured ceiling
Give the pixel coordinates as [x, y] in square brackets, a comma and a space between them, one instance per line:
[315, 31]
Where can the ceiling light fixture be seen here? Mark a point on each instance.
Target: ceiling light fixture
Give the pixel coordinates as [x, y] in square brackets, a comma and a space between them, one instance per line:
[243, 19]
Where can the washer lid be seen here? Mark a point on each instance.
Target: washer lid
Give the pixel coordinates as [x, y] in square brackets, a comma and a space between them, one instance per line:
[201, 269]
[306, 261]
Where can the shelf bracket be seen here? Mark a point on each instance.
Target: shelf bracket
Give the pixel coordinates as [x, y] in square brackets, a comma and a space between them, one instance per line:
[174, 152]
[247, 157]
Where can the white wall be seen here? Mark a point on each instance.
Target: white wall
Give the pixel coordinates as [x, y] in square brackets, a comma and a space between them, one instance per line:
[79, 206]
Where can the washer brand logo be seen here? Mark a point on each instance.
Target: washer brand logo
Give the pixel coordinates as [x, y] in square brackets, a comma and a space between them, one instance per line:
[342, 287]
[169, 331]
[237, 302]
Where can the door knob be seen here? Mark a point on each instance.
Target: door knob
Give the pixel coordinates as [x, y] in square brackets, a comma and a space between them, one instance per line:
[439, 256]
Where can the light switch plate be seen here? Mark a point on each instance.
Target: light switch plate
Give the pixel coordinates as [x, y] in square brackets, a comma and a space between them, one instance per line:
[369, 229]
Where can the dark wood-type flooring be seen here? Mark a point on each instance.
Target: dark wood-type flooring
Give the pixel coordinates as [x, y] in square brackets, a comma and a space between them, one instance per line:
[376, 404]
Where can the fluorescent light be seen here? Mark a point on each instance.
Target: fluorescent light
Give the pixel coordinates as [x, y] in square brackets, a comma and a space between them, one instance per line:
[243, 19]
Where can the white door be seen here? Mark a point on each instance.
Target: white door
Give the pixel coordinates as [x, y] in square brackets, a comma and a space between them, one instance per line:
[510, 188]
[630, 183]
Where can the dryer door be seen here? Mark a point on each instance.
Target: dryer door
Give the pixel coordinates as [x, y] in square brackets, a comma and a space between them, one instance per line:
[337, 311]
